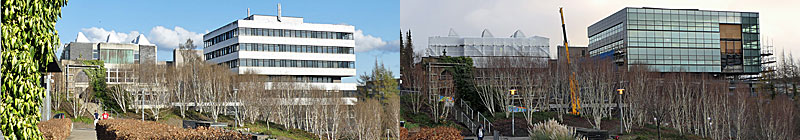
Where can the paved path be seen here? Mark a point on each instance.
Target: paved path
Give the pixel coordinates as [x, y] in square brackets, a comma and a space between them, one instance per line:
[82, 134]
[500, 138]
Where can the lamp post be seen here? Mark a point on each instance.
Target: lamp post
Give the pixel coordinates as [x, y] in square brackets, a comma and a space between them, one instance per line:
[141, 108]
[709, 126]
[619, 106]
[513, 91]
[236, 95]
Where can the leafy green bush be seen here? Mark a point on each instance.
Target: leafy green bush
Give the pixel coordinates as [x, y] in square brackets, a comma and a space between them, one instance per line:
[29, 38]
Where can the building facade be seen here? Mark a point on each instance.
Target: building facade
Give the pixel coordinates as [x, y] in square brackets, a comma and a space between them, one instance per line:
[487, 46]
[114, 54]
[680, 40]
[575, 52]
[279, 46]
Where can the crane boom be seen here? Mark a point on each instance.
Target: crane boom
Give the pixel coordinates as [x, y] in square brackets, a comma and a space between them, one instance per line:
[575, 100]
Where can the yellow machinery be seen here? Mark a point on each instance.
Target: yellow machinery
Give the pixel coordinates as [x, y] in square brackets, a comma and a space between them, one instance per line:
[575, 100]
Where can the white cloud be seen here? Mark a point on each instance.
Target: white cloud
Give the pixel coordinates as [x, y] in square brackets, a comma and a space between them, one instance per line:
[95, 34]
[365, 43]
[163, 37]
[170, 38]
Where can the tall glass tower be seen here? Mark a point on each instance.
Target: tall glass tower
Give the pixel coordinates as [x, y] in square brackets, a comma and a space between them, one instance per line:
[679, 40]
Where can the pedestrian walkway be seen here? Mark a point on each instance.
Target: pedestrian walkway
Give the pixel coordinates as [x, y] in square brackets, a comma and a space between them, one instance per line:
[82, 134]
[499, 138]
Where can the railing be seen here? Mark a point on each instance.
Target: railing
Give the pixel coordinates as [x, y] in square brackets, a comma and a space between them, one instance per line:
[471, 114]
[467, 115]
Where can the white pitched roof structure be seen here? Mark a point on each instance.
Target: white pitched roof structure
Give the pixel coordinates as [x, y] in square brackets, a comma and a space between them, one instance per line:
[141, 40]
[111, 38]
[452, 33]
[486, 33]
[480, 49]
[518, 34]
[81, 38]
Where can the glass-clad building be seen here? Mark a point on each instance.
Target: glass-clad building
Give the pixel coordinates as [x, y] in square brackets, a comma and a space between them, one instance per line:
[679, 40]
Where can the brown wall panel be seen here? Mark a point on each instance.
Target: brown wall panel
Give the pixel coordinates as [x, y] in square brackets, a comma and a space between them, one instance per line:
[730, 31]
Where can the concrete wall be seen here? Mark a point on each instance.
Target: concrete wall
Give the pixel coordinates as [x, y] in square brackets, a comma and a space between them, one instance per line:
[147, 54]
[80, 51]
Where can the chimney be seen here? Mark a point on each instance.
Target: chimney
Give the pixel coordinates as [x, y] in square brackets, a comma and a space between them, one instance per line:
[248, 12]
[279, 12]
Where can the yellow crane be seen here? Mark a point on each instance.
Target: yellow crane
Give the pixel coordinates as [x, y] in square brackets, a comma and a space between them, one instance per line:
[575, 101]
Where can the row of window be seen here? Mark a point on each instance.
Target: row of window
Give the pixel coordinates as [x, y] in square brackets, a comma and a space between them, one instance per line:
[278, 48]
[116, 56]
[296, 33]
[674, 34]
[674, 62]
[314, 79]
[691, 12]
[685, 18]
[613, 46]
[684, 68]
[296, 48]
[674, 28]
[675, 57]
[222, 51]
[673, 45]
[672, 23]
[295, 63]
[674, 51]
[222, 37]
[604, 34]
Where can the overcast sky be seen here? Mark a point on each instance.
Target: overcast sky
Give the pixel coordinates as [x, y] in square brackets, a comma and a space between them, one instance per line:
[425, 18]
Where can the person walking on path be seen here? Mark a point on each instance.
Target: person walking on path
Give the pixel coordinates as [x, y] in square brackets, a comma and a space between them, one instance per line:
[480, 132]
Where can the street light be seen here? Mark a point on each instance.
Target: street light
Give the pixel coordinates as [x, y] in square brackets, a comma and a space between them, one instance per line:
[513, 91]
[619, 106]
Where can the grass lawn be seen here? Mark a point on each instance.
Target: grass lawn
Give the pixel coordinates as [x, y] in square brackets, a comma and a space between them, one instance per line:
[277, 131]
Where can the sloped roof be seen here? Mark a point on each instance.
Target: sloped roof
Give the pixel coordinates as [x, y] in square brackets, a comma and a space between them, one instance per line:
[141, 40]
[452, 33]
[111, 38]
[81, 38]
[518, 34]
[486, 33]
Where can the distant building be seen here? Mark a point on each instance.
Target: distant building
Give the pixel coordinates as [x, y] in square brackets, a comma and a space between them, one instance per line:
[113, 53]
[278, 46]
[487, 46]
[575, 52]
[680, 40]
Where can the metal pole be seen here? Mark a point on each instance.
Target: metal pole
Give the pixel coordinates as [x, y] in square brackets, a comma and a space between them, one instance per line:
[512, 111]
[619, 105]
[141, 108]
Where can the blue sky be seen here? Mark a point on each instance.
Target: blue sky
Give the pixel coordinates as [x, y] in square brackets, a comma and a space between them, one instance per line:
[166, 22]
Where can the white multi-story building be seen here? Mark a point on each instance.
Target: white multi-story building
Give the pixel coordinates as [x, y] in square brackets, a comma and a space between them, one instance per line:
[319, 55]
[487, 46]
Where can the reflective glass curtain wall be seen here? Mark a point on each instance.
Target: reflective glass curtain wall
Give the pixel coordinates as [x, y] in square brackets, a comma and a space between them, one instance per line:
[682, 40]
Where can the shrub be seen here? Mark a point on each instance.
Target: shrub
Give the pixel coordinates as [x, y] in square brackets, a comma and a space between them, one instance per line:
[403, 133]
[55, 129]
[552, 130]
[124, 129]
[438, 133]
